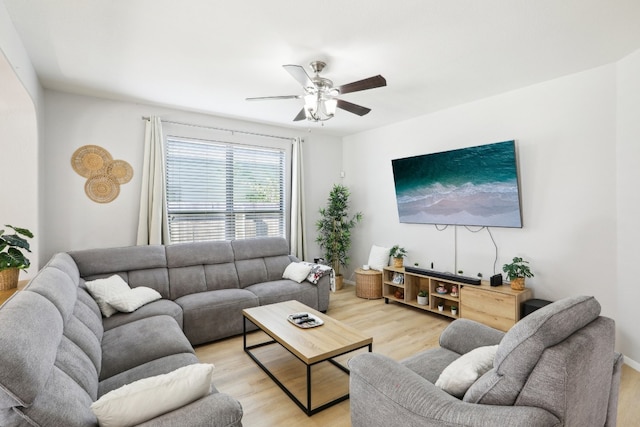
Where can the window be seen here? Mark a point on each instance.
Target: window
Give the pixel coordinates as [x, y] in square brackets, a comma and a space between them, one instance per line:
[222, 191]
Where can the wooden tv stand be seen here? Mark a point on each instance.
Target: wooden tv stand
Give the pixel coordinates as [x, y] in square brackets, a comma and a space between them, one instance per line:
[495, 306]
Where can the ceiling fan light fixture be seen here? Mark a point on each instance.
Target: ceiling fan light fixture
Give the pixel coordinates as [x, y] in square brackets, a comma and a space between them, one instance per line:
[330, 106]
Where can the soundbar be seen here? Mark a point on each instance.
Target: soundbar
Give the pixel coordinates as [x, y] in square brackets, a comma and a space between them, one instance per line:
[439, 275]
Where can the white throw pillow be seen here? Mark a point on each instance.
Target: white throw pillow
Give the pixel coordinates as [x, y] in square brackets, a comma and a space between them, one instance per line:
[132, 299]
[456, 378]
[103, 289]
[378, 257]
[148, 398]
[296, 271]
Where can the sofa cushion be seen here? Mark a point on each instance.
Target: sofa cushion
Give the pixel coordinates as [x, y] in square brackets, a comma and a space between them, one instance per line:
[285, 290]
[163, 365]
[136, 343]
[91, 262]
[32, 329]
[522, 346]
[210, 316]
[456, 378]
[147, 398]
[155, 308]
[104, 289]
[296, 271]
[132, 299]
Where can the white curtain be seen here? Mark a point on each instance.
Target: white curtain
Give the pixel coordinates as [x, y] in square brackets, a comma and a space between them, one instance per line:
[152, 228]
[298, 240]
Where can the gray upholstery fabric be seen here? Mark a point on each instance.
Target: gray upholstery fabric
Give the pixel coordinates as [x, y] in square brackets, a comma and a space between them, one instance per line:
[209, 316]
[573, 381]
[285, 290]
[133, 344]
[154, 308]
[160, 366]
[215, 410]
[199, 253]
[92, 262]
[523, 345]
[259, 247]
[385, 393]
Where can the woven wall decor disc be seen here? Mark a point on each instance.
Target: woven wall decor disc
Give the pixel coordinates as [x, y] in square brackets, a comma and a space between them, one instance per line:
[90, 160]
[101, 189]
[120, 171]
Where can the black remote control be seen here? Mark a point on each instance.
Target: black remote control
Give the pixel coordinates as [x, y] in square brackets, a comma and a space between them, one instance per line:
[299, 316]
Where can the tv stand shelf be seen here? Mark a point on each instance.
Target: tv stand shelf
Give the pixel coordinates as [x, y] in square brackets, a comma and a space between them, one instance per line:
[495, 306]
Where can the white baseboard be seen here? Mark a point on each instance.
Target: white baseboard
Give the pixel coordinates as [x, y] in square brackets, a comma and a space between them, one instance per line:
[632, 363]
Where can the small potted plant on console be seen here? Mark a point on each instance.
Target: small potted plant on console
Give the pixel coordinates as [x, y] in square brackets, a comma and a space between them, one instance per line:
[423, 295]
[12, 259]
[398, 254]
[517, 271]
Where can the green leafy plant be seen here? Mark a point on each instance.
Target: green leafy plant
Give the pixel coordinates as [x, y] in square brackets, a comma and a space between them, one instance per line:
[334, 228]
[397, 252]
[423, 293]
[517, 268]
[11, 247]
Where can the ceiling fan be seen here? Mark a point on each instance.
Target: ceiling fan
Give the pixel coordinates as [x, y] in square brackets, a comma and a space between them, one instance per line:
[321, 97]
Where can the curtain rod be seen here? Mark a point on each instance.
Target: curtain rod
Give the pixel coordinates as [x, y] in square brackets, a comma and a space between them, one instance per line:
[232, 131]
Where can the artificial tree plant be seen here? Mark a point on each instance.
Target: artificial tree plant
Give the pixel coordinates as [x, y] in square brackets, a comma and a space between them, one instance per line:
[12, 259]
[334, 229]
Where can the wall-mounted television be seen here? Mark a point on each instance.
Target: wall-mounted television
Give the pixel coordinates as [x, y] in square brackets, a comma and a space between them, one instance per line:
[476, 186]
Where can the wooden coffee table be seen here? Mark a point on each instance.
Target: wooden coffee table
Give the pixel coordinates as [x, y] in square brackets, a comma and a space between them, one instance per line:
[311, 346]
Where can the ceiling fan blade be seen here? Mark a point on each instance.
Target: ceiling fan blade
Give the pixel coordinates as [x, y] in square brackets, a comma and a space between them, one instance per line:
[370, 83]
[353, 108]
[301, 116]
[263, 98]
[298, 73]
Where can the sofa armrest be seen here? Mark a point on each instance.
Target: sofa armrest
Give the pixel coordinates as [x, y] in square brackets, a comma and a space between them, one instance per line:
[383, 393]
[214, 410]
[463, 335]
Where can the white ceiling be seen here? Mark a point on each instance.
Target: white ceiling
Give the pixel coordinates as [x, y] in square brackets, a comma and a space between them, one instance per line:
[208, 56]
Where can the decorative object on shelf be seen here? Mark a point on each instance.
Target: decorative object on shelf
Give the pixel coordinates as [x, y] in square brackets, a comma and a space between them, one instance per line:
[517, 271]
[440, 307]
[454, 290]
[334, 230]
[423, 296]
[399, 293]
[398, 278]
[441, 290]
[12, 259]
[104, 175]
[398, 254]
[454, 310]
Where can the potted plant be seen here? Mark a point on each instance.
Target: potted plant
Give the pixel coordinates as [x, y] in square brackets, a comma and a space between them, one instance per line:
[517, 271]
[12, 259]
[454, 310]
[334, 230]
[423, 295]
[398, 254]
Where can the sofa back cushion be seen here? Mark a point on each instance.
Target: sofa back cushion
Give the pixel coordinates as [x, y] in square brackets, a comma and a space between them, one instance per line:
[200, 266]
[523, 345]
[260, 259]
[137, 265]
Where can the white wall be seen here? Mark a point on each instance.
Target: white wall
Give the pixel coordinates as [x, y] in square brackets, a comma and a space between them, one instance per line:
[565, 131]
[21, 138]
[628, 178]
[73, 221]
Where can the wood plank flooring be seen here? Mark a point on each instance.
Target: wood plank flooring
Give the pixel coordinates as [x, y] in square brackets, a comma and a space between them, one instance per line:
[398, 331]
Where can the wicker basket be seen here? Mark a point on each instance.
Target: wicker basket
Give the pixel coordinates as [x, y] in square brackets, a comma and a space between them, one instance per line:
[9, 279]
[398, 262]
[368, 284]
[517, 283]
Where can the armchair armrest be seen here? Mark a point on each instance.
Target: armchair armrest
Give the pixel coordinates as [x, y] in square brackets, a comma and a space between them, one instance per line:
[383, 393]
[214, 410]
[463, 335]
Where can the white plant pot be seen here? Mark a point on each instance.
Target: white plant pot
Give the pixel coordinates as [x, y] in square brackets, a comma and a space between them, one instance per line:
[441, 308]
[422, 300]
[454, 311]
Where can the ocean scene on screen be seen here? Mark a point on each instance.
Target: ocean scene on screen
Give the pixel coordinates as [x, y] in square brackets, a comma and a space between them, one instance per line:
[470, 186]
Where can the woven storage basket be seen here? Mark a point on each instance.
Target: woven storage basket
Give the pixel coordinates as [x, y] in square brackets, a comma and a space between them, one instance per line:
[368, 284]
[517, 283]
[9, 278]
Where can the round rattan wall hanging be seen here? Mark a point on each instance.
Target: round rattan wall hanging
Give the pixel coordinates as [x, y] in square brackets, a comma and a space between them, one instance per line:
[104, 175]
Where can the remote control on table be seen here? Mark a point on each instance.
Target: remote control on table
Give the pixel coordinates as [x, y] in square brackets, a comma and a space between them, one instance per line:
[299, 316]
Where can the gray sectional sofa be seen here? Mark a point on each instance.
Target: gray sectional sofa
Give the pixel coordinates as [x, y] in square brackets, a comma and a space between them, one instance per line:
[58, 354]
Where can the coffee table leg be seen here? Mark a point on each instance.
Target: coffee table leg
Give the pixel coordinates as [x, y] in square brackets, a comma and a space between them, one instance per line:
[308, 390]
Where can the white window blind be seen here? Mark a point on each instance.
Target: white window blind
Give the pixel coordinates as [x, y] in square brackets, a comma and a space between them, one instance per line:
[223, 191]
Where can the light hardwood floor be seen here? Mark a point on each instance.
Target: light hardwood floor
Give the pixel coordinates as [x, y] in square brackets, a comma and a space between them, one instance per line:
[398, 331]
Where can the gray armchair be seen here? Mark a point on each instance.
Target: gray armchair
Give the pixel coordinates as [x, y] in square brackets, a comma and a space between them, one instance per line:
[555, 367]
